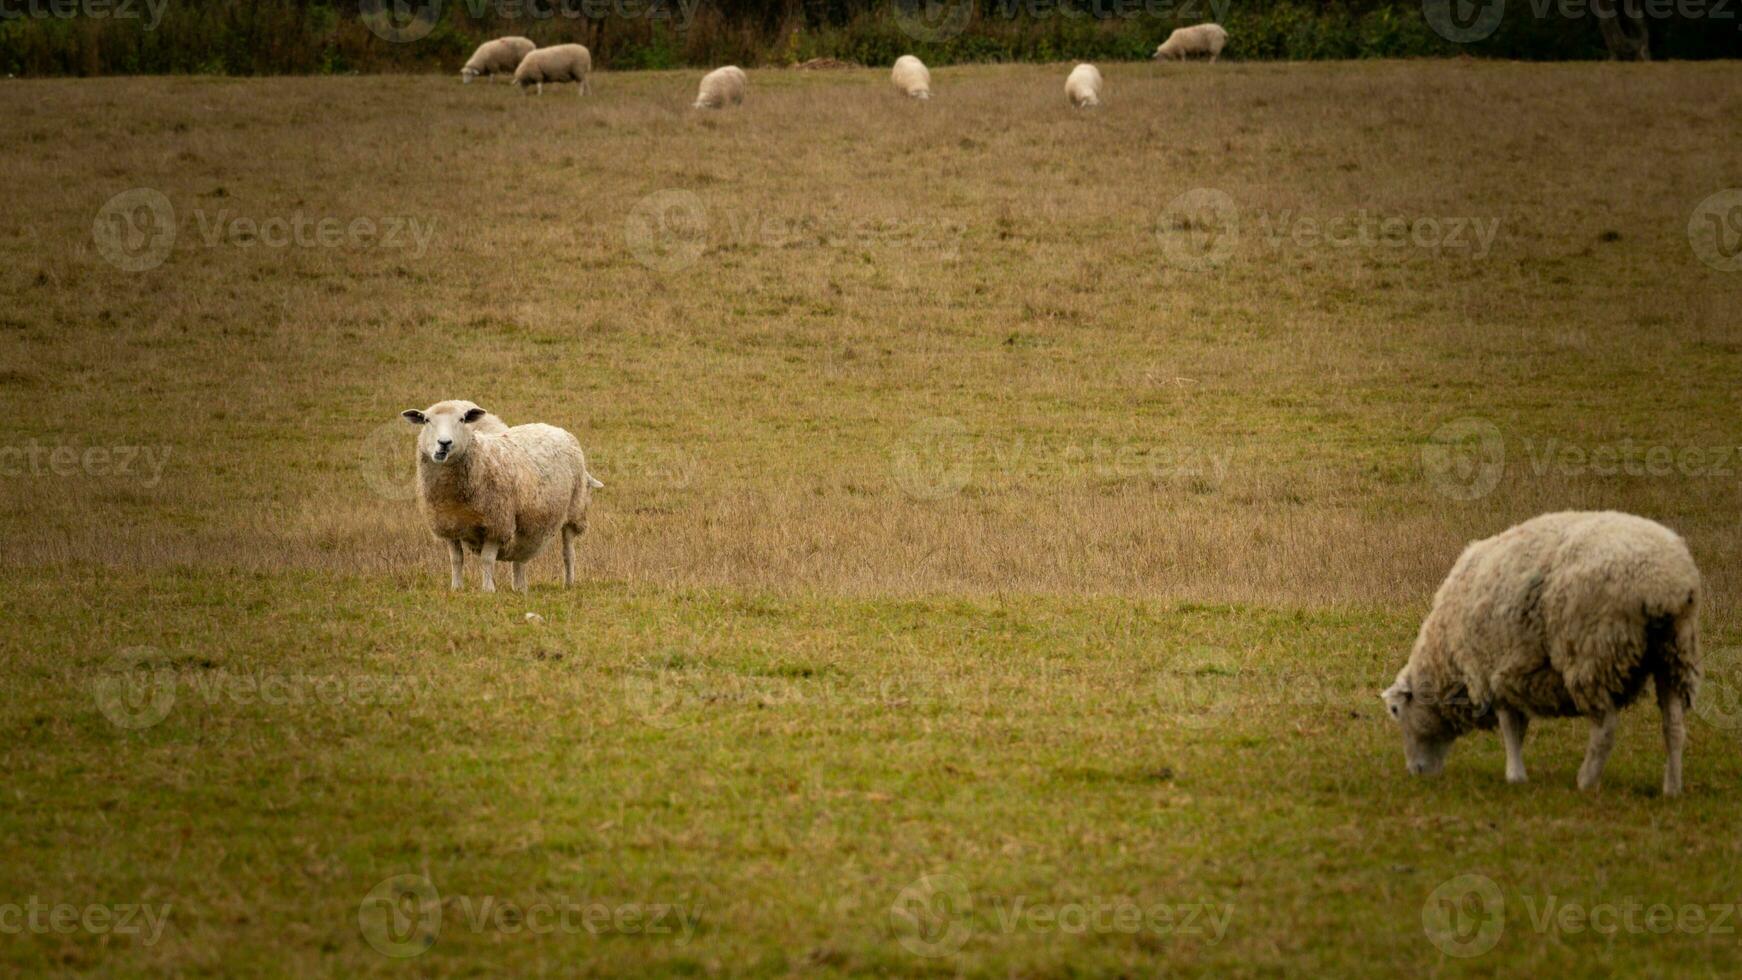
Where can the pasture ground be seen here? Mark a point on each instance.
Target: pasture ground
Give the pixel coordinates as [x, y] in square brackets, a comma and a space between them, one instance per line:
[1000, 553]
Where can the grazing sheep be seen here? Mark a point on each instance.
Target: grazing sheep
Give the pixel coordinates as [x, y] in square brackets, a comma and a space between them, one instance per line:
[721, 87]
[1563, 615]
[1202, 39]
[498, 57]
[1083, 87]
[911, 77]
[499, 491]
[559, 63]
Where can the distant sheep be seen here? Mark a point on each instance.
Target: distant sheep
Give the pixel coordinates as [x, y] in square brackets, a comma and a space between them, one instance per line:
[722, 87]
[911, 77]
[1083, 87]
[499, 57]
[559, 63]
[502, 492]
[1186, 42]
[1564, 615]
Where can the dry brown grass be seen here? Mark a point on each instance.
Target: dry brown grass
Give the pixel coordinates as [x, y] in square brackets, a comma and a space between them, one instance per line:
[1008, 270]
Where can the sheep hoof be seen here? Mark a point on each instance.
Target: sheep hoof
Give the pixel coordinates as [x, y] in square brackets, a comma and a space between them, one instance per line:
[1516, 777]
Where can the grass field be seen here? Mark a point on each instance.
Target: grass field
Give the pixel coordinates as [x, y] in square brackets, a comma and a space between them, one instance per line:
[1010, 516]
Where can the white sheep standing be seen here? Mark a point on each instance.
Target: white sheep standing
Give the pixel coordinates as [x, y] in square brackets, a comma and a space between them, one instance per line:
[721, 87]
[1564, 615]
[499, 57]
[500, 491]
[911, 77]
[1200, 39]
[558, 63]
[1083, 87]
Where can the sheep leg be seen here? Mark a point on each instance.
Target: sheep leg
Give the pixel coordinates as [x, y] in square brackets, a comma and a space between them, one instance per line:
[1669, 702]
[1512, 727]
[520, 577]
[1597, 751]
[487, 558]
[540, 88]
[568, 556]
[457, 560]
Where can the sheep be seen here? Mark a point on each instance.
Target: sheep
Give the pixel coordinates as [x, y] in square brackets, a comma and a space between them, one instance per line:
[911, 77]
[1083, 87]
[1201, 39]
[500, 491]
[559, 63]
[720, 87]
[498, 57]
[1564, 615]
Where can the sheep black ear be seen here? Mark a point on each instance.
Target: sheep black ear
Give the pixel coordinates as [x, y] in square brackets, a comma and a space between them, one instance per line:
[414, 416]
[473, 415]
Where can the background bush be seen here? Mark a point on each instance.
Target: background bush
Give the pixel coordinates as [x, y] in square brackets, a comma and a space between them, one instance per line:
[246, 37]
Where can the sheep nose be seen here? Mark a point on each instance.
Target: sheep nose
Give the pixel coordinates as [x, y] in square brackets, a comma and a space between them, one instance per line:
[444, 443]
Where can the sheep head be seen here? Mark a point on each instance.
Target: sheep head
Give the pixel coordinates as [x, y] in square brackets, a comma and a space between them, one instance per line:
[1428, 732]
[444, 429]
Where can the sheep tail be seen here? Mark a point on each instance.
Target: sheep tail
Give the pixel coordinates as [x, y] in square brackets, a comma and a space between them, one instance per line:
[594, 483]
[1673, 648]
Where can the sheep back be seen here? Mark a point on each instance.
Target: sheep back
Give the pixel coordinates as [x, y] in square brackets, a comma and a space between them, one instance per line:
[558, 63]
[1564, 614]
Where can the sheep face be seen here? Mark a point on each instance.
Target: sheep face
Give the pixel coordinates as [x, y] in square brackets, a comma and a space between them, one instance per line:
[444, 429]
[1427, 736]
[467, 74]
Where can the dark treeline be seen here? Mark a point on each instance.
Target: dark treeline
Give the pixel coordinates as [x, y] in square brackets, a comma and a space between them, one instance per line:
[246, 37]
